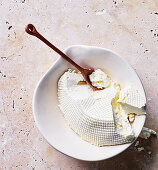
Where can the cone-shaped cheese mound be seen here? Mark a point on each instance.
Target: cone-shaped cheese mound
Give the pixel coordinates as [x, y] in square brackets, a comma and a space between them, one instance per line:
[94, 115]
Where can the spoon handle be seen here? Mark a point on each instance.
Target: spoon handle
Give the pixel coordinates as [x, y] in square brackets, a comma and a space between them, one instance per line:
[30, 29]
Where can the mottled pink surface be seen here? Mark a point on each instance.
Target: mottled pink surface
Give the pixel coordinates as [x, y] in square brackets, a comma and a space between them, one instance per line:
[128, 27]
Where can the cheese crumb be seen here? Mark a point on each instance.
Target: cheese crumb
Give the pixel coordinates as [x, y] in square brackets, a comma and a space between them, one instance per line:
[140, 149]
[137, 143]
[146, 133]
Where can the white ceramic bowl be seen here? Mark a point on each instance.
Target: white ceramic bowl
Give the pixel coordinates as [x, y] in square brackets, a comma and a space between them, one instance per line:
[48, 116]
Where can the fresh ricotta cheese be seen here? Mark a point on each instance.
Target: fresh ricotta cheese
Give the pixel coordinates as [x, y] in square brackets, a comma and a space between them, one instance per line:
[132, 97]
[96, 116]
[146, 133]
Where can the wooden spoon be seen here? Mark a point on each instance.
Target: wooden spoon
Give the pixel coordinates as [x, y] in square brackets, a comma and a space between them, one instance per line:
[30, 29]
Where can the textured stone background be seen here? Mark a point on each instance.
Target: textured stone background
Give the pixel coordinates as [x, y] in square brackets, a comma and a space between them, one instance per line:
[129, 27]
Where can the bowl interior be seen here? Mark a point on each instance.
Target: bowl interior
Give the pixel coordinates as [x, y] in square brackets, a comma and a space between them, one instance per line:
[48, 116]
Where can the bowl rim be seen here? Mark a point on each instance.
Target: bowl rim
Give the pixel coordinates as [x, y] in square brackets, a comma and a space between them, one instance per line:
[41, 79]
